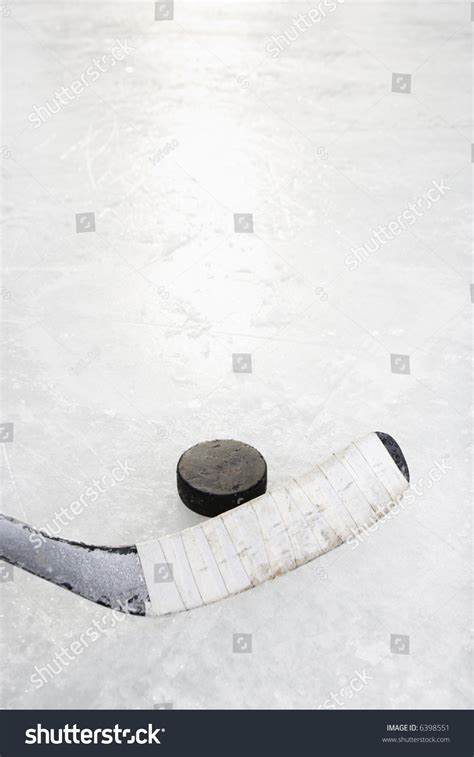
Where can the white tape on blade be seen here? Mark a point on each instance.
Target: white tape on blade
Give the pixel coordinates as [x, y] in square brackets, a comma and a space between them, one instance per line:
[164, 595]
[365, 478]
[323, 534]
[244, 530]
[330, 505]
[304, 544]
[274, 533]
[225, 552]
[382, 464]
[176, 555]
[277, 540]
[204, 565]
[344, 484]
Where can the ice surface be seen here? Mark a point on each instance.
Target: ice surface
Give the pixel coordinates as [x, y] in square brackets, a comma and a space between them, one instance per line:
[118, 343]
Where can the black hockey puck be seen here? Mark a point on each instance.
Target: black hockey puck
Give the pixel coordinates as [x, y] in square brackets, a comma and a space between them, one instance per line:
[216, 476]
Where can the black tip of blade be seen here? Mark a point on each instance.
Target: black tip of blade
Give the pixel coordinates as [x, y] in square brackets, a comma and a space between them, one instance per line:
[396, 453]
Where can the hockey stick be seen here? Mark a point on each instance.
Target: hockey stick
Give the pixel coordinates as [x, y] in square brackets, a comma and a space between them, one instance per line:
[232, 552]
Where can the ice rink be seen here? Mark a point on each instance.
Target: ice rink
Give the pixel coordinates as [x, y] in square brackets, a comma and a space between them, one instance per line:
[129, 287]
